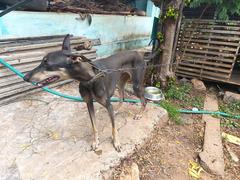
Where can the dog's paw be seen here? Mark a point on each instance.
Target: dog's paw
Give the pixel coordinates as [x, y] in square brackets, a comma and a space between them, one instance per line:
[137, 116]
[117, 146]
[116, 112]
[95, 145]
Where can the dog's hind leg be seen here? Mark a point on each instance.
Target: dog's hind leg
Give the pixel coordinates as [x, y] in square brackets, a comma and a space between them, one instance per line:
[114, 130]
[138, 77]
[107, 104]
[121, 85]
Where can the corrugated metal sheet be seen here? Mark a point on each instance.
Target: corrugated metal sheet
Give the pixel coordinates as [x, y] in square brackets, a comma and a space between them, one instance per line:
[27, 53]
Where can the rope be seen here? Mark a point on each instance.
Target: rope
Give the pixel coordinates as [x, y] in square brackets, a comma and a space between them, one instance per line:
[124, 69]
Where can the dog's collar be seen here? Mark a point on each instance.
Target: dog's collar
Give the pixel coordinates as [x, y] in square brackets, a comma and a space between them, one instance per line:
[91, 81]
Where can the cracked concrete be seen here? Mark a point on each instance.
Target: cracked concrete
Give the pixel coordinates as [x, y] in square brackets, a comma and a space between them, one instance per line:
[47, 137]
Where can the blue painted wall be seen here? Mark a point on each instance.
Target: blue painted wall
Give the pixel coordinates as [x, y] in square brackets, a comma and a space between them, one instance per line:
[115, 32]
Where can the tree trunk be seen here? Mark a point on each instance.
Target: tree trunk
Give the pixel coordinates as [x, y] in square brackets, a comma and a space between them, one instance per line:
[169, 35]
[169, 26]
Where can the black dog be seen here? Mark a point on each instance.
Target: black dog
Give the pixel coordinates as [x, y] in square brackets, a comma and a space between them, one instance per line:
[98, 79]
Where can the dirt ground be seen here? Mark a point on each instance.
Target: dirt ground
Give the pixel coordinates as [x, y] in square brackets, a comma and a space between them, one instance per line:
[231, 169]
[167, 153]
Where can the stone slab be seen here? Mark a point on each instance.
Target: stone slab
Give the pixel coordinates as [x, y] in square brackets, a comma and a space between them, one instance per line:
[231, 97]
[211, 158]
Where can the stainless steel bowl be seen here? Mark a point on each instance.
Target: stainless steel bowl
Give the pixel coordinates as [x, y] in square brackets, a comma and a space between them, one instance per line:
[153, 94]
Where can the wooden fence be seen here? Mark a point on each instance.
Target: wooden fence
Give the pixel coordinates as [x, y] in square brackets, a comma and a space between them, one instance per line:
[26, 54]
[207, 49]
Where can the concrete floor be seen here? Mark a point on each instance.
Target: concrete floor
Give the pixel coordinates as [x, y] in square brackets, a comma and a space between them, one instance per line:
[46, 137]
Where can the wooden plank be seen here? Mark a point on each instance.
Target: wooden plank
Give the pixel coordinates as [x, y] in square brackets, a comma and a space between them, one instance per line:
[210, 63]
[39, 38]
[210, 42]
[203, 72]
[39, 53]
[89, 55]
[190, 75]
[212, 37]
[211, 21]
[12, 87]
[222, 79]
[198, 66]
[22, 96]
[25, 88]
[22, 55]
[209, 26]
[206, 47]
[225, 60]
[6, 81]
[209, 52]
[213, 31]
[38, 46]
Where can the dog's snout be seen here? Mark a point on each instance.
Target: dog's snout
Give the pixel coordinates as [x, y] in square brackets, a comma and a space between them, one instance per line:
[26, 78]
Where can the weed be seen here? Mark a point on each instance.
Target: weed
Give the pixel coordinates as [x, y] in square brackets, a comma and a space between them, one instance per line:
[196, 101]
[176, 92]
[230, 108]
[183, 93]
[172, 111]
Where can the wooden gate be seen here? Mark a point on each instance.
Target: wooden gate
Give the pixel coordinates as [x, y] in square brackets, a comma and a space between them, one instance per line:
[207, 49]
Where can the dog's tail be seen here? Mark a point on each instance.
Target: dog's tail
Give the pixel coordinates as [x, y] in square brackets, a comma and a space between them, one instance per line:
[148, 56]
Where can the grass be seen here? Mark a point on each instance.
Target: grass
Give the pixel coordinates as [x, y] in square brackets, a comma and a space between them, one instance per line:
[176, 92]
[183, 95]
[230, 108]
[180, 96]
[172, 111]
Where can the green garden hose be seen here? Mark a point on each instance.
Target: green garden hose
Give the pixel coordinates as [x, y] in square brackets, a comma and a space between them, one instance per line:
[113, 99]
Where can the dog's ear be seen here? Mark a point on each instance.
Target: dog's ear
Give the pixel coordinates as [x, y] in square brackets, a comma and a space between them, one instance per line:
[66, 43]
[84, 59]
[74, 59]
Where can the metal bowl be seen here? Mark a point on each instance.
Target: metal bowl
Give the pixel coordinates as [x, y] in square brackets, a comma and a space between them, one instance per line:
[153, 94]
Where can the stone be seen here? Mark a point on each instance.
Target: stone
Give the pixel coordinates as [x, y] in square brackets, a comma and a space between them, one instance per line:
[231, 97]
[198, 85]
[233, 156]
[211, 158]
[131, 173]
[184, 81]
[47, 137]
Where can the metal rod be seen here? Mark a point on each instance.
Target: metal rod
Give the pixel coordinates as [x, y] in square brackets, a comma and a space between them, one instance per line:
[14, 7]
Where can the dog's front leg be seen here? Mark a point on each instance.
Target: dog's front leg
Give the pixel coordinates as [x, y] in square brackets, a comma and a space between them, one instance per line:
[87, 96]
[93, 122]
[116, 143]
